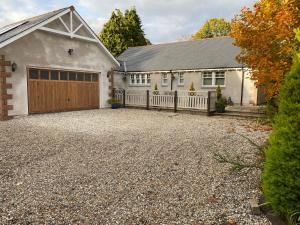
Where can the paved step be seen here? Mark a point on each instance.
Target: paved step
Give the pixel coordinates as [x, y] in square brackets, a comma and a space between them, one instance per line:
[241, 114]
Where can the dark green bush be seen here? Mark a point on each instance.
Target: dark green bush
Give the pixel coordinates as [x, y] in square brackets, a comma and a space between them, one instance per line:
[281, 176]
[271, 109]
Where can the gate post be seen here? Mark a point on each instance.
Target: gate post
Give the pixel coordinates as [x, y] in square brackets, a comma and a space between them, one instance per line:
[175, 101]
[124, 95]
[147, 94]
[113, 93]
[208, 103]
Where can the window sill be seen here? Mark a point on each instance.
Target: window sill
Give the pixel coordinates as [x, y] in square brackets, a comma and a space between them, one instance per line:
[213, 86]
[164, 85]
[180, 85]
[139, 85]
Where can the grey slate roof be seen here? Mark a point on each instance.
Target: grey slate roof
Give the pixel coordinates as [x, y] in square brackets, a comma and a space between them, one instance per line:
[27, 24]
[203, 54]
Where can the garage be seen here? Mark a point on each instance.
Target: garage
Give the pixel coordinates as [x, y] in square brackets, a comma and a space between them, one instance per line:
[53, 63]
[61, 90]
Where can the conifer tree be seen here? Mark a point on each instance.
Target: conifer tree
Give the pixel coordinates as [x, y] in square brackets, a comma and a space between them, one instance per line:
[281, 177]
[123, 31]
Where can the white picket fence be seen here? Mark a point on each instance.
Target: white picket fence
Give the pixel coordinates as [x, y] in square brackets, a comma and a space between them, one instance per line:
[185, 99]
[135, 100]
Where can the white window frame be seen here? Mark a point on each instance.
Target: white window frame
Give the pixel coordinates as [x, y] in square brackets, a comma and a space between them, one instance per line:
[148, 79]
[164, 79]
[143, 79]
[139, 77]
[180, 77]
[223, 73]
[213, 77]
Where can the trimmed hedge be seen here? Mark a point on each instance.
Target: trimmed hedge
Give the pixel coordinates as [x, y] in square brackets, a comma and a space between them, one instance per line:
[281, 176]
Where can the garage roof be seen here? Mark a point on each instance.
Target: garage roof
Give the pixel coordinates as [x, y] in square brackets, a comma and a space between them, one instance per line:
[12, 32]
[211, 53]
[21, 26]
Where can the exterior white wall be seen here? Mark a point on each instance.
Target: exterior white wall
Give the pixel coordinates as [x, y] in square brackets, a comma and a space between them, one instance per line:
[48, 50]
[233, 83]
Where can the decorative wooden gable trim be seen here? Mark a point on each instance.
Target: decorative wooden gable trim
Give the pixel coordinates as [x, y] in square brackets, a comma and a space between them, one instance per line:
[70, 29]
[4, 107]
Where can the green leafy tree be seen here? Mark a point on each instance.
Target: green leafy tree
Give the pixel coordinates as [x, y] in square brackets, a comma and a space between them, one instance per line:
[281, 177]
[123, 31]
[213, 28]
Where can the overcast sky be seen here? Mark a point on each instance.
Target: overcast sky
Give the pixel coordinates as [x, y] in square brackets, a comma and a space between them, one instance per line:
[163, 20]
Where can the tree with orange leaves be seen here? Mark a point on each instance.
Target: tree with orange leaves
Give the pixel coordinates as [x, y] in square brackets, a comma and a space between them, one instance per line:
[267, 41]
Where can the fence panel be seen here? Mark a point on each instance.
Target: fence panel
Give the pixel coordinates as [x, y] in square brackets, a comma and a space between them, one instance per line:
[192, 102]
[163, 101]
[136, 100]
[197, 100]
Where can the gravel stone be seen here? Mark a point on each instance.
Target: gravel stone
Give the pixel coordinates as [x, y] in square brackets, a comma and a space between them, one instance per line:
[127, 166]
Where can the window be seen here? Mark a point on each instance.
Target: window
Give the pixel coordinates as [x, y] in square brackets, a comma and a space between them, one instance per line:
[140, 79]
[44, 75]
[148, 79]
[54, 75]
[33, 74]
[137, 79]
[132, 79]
[220, 78]
[180, 79]
[80, 76]
[63, 75]
[72, 76]
[213, 79]
[88, 77]
[164, 79]
[143, 78]
[94, 77]
[207, 79]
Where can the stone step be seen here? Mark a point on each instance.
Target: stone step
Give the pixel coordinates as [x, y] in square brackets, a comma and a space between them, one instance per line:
[239, 114]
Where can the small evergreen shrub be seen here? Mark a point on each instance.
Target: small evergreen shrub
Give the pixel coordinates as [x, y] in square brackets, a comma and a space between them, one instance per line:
[156, 92]
[221, 102]
[281, 176]
[219, 92]
[192, 90]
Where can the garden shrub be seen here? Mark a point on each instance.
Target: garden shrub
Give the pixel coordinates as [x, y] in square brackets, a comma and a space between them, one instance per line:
[156, 92]
[192, 89]
[281, 176]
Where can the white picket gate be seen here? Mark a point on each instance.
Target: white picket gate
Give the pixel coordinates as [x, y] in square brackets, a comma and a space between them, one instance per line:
[162, 101]
[192, 102]
[136, 100]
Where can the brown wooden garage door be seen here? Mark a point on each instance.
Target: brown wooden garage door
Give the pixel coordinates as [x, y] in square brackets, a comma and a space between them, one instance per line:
[59, 90]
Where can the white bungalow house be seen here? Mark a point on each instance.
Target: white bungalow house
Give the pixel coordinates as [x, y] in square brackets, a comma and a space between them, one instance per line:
[174, 66]
[55, 62]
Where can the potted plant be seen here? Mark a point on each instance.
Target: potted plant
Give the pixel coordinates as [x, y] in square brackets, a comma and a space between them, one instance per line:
[192, 90]
[156, 92]
[221, 102]
[115, 103]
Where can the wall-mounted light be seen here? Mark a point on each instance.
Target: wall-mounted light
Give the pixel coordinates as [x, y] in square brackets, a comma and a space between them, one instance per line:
[13, 67]
[70, 51]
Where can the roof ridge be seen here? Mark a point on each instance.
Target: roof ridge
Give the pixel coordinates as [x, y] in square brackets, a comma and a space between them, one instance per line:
[176, 42]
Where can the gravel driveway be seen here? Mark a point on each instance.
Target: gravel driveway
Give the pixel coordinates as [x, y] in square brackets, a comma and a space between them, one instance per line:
[126, 167]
